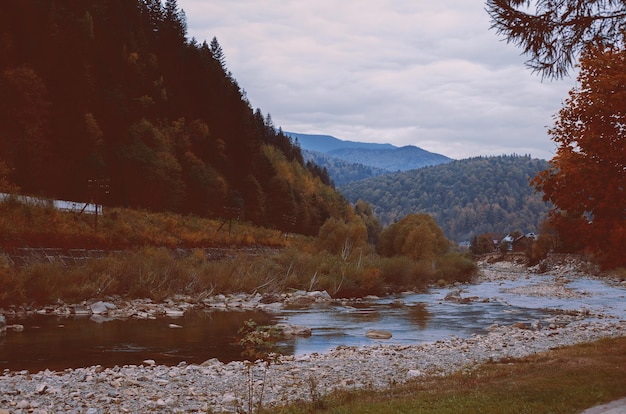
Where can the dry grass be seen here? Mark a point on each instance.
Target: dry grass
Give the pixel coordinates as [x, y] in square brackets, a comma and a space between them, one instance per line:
[152, 255]
[34, 226]
[566, 380]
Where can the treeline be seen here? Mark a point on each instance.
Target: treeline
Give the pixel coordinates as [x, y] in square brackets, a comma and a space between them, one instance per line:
[467, 197]
[115, 91]
[340, 171]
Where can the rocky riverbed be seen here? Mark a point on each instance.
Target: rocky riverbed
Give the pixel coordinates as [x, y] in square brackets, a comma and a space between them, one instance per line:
[218, 387]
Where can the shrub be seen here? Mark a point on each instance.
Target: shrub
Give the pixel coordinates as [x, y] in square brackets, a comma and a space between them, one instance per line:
[539, 249]
[398, 271]
[455, 267]
[416, 236]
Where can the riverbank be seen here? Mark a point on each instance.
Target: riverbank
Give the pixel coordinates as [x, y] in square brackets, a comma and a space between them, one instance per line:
[224, 387]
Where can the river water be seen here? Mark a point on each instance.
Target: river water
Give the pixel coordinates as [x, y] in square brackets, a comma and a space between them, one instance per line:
[57, 343]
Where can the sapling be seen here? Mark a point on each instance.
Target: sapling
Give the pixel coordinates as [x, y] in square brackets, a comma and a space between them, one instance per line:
[259, 344]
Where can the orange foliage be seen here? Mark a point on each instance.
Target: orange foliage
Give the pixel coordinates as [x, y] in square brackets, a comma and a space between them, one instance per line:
[586, 179]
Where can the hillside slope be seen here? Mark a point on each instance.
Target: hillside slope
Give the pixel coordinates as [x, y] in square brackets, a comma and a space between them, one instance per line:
[466, 197]
[395, 159]
[116, 104]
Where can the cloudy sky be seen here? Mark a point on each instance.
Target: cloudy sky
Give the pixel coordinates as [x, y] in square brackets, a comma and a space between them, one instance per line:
[407, 72]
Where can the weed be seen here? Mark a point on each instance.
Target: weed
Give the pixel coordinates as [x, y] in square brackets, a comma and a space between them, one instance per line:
[259, 344]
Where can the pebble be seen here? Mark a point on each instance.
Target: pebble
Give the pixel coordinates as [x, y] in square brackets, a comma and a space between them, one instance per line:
[217, 387]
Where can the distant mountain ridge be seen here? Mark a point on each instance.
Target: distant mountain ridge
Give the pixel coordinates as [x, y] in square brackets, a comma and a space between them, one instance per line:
[341, 171]
[348, 161]
[328, 143]
[393, 160]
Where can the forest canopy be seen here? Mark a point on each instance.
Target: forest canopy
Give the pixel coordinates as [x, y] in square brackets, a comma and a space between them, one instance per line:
[115, 91]
[466, 197]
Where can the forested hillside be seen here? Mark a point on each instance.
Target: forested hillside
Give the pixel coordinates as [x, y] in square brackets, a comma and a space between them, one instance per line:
[115, 91]
[347, 161]
[397, 159]
[466, 197]
[340, 171]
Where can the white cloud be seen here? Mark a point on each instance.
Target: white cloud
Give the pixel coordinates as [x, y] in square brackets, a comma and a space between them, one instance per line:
[416, 72]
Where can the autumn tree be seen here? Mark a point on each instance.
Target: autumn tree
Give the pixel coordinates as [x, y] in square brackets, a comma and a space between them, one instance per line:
[364, 210]
[586, 179]
[416, 236]
[554, 33]
[481, 244]
[341, 238]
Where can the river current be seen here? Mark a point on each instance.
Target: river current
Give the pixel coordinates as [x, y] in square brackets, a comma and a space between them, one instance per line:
[57, 343]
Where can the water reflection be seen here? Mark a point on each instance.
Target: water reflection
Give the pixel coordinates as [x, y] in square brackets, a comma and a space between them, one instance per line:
[418, 314]
[58, 343]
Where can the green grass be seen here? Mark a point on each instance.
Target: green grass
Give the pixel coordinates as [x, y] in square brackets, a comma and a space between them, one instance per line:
[567, 380]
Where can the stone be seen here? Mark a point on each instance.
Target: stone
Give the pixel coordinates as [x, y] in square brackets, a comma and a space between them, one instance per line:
[211, 362]
[229, 399]
[23, 405]
[80, 310]
[174, 326]
[377, 334]
[268, 298]
[301, 301]
[453, 296]
[415, 373]
[42, 388]
[150, 362]
[520, 325]
[289, 331]
[99, 307]
[174, 313]
[3, 325]
[320, 296]
[16, 327]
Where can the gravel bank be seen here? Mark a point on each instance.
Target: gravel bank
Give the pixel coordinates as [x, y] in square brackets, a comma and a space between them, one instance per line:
[224, 387]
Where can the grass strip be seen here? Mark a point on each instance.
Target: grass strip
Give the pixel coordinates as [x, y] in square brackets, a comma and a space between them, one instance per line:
[564, 380]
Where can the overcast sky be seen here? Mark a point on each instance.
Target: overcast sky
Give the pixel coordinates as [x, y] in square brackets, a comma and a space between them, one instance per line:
[406, 72]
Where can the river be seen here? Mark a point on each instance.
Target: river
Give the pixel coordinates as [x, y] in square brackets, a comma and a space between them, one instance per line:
[57, 343]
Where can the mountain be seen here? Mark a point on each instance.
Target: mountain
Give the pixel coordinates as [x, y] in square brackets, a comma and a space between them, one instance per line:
[348, 161]
[396, 159]
[327, 143]
[466, 197]
[341, 171]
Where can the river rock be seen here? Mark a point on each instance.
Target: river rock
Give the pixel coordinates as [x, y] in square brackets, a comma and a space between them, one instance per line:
[415, 373]
[174, 313]
[300, 300]
[80, 310]
[101, 307]
[16, 327]
[377, 334]
[320, 296]
[453, 296]
[289, 331]
[270, 298]
[3, 325]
